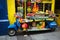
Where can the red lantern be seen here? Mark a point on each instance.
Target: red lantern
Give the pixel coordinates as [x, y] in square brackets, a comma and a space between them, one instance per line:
[25, 26]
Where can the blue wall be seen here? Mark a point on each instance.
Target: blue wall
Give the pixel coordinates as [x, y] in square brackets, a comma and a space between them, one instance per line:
[3, 9]
[3, 17]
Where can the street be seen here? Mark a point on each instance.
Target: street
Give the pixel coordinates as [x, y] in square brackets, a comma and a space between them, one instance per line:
[35, 36]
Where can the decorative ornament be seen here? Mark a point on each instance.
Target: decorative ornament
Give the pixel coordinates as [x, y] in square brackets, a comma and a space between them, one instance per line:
[35, 8]
[29, 9]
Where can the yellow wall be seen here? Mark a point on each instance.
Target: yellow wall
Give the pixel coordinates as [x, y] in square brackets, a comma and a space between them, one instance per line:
[11, 10]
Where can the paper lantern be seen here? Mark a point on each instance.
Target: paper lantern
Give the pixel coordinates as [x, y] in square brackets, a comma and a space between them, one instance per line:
[25, 26]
